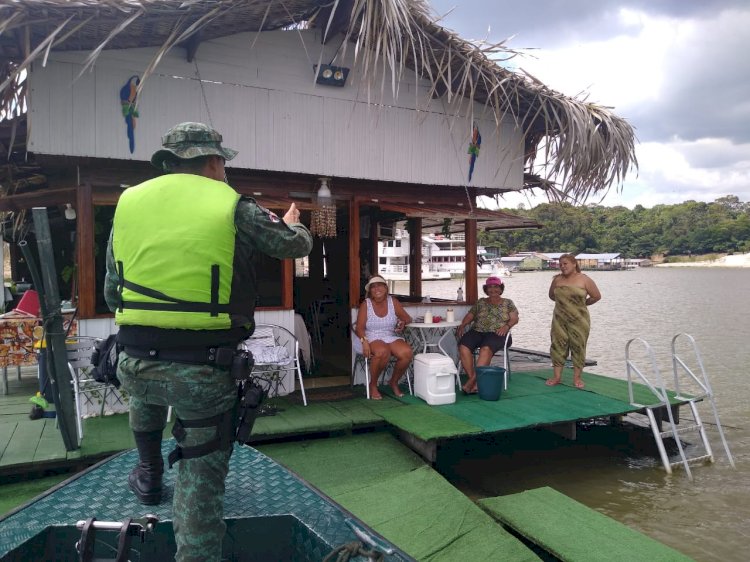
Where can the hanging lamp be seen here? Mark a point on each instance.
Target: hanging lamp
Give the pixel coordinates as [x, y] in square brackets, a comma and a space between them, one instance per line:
[323, 223]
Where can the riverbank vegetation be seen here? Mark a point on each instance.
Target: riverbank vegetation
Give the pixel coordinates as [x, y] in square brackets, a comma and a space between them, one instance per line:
[689, 228]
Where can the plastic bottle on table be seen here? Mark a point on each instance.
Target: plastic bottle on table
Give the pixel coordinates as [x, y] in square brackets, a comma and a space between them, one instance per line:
[460, 294]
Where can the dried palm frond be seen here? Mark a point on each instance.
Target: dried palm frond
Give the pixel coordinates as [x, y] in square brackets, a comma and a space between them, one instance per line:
[580, 147]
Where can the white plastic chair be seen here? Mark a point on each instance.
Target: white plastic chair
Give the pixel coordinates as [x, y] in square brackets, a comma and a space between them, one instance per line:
[506, 361]
[86, 389]
[364, 362]
[274, 338]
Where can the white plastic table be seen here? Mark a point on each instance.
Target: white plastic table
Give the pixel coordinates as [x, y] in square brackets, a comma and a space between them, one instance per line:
[432, 334]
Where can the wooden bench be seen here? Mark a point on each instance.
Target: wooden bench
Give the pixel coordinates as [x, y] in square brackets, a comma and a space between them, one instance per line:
[571, 531]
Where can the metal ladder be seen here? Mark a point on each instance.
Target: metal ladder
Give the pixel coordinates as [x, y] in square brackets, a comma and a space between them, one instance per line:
[659, 390]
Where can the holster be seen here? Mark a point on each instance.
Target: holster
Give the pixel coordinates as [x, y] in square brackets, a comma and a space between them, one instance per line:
[242, 365]
[250, 397]
[222, 441]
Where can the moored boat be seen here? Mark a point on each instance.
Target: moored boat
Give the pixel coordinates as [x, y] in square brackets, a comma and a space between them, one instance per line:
[442, 258]
[270, 513]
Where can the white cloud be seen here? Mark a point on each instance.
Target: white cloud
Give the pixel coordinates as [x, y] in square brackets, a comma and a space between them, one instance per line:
[677, 70]
[620, 71]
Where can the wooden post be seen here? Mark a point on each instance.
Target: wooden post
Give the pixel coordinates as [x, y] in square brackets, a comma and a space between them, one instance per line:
[287, 282]
[85, 252]
[375, 259]
[472, 291]
[354, 258]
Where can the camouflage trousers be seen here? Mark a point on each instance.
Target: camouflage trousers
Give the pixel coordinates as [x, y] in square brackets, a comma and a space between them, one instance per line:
[195, 392]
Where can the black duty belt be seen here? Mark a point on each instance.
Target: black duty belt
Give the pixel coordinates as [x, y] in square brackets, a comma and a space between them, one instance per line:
[215, 356]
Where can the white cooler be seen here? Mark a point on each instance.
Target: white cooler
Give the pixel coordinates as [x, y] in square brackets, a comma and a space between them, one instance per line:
[435, 378]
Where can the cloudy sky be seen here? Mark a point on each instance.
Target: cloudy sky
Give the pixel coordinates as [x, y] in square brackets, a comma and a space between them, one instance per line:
[677, 70]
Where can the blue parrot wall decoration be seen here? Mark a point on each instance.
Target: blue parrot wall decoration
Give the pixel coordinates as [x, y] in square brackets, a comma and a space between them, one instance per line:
[129, 111]
[474, 146]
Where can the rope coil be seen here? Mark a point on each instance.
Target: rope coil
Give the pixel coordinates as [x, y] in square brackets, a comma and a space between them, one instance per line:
[351, 550]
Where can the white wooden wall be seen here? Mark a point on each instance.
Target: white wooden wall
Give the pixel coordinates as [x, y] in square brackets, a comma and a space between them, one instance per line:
[261, 96]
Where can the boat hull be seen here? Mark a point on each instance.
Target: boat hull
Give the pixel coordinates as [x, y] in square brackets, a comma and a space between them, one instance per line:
[271, 514]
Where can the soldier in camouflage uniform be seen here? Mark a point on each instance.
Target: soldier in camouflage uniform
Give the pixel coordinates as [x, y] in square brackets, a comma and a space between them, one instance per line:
[181, 281]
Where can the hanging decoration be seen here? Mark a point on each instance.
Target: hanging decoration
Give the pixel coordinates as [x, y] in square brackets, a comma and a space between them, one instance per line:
[323, 221]
[127, 103]
[474, 146]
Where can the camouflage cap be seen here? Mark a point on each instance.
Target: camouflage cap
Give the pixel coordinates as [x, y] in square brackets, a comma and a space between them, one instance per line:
[190, 140]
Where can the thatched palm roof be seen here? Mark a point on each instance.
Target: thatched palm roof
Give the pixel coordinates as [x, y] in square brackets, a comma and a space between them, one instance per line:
[581, 147]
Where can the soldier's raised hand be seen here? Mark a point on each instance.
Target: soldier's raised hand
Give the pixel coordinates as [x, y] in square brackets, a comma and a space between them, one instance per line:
[292, 215]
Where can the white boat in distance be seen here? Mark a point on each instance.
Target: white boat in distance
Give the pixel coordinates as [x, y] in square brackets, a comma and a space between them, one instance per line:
[442, 258]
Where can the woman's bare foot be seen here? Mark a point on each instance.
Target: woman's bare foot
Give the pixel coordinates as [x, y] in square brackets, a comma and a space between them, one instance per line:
[470, 387]
[578, 383]
[396, 390]
[375, 394]
[553, 382]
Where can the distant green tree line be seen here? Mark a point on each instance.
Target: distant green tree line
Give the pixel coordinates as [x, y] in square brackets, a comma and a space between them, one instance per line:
[687, 228]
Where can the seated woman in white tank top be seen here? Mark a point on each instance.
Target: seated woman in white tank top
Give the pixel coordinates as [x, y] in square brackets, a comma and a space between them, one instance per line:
[380, 326]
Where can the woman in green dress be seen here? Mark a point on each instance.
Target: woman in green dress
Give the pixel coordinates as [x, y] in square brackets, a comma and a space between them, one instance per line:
[572, 292]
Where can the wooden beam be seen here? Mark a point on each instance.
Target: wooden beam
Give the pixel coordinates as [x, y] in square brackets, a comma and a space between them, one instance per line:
[426, 449]
[45, 198]
[340, 20]
[470, 247]
[85, 252]
[354, 258]
[565, 430]
[192, 44]
[106, 195]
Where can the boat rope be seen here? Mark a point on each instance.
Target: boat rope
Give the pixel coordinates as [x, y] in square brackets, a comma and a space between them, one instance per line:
[351, 550]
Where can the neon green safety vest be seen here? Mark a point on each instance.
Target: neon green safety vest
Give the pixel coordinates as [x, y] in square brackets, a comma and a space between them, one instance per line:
[174, 248]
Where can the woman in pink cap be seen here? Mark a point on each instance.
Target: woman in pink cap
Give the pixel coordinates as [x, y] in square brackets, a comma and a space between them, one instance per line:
[493, 318]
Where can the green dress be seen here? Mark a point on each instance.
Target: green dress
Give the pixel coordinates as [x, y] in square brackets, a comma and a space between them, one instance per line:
[570, 326]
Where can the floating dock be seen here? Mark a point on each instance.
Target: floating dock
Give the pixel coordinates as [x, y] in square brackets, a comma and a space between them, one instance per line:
[381, 481]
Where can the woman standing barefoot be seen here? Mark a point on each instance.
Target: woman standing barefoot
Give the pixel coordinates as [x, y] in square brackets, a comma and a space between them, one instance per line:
[572, 292]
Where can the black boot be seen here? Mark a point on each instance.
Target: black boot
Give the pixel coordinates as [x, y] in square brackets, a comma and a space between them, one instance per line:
[145, 478]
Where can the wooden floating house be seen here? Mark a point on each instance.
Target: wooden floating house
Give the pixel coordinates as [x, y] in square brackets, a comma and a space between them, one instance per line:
[391, 108]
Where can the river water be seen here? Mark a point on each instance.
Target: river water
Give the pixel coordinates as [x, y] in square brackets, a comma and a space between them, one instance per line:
[618, 472]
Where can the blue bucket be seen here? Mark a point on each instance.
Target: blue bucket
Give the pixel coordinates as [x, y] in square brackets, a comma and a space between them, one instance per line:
[490, 382]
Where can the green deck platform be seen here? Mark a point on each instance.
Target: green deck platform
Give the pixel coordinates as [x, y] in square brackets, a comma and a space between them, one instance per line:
[528, 403]
[572, 532]
[385, 484]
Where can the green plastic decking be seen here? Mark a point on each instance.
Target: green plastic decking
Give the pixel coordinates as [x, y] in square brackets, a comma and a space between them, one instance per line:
[573, 532]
